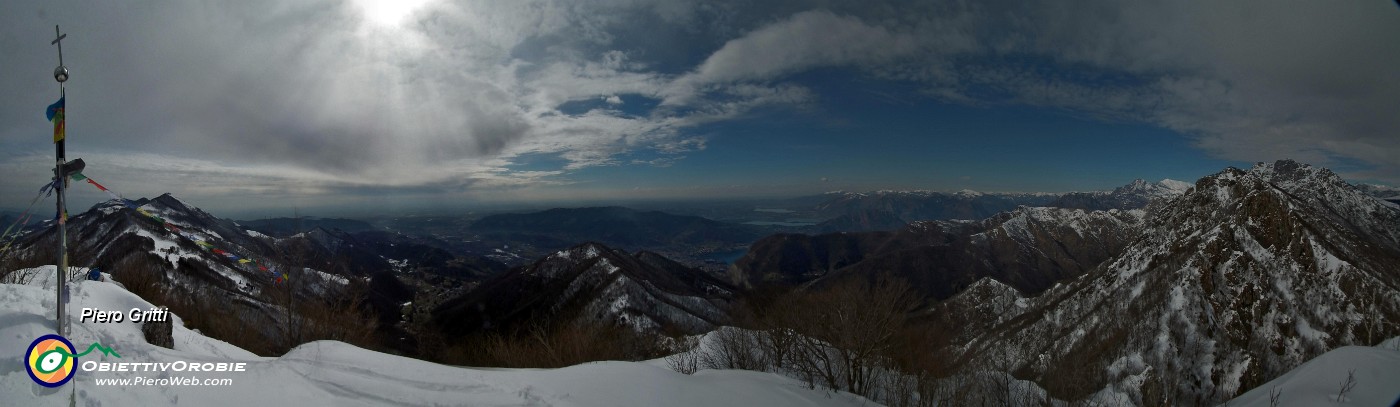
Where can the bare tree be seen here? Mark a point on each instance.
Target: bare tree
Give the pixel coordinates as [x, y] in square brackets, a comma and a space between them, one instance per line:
[841, 335]
[735, 348]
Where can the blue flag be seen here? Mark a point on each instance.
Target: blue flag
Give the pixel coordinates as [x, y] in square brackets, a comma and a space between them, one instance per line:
[55, 108]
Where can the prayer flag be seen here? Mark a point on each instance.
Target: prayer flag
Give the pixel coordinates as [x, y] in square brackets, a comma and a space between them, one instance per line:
[55, 115]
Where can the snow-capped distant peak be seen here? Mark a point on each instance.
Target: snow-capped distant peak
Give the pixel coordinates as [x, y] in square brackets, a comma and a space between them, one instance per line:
[1175, 185]
[968, 193]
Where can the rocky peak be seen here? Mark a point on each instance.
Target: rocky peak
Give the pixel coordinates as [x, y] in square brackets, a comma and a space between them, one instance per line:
[1227, 286]
[1289, 174]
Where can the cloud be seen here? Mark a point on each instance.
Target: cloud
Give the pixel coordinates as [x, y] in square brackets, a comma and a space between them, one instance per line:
[278, 96]
[318, 88]
[806, 40]
[1248, 81]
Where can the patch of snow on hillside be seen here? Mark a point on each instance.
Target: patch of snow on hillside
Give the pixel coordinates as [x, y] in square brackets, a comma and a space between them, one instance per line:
[608, 266]
[162, 245]
[330, 277]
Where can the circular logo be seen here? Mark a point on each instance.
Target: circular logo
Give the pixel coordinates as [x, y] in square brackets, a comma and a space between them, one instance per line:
[50, 360]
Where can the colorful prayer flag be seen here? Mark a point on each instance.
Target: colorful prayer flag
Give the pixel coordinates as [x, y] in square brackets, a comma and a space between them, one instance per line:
[55, 115]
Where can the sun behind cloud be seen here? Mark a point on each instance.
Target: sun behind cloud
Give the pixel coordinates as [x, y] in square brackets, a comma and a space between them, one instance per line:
[388, 13]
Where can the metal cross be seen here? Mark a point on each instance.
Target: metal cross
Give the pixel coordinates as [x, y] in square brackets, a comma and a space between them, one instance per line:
[59, 43]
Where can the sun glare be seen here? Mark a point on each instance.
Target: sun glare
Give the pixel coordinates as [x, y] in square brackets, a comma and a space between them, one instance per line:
[388, 13]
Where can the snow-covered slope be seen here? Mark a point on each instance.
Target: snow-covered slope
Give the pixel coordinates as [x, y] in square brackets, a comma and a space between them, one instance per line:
[336, 374]
[1321, 381]
[1243, 278]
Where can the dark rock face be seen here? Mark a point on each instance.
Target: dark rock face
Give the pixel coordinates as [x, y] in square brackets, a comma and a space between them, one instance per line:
[159, 333]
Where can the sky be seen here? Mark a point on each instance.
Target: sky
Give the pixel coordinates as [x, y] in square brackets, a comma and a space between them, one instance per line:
[393, 106]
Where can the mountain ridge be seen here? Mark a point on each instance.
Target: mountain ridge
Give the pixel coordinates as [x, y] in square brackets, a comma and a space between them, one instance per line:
[1246, 276]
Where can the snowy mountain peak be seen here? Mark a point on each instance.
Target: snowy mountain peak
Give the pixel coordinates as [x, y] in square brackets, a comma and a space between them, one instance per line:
[1165, 188]
[1180, 186]
[1231, 284]
[581, 252]
[1289, 173]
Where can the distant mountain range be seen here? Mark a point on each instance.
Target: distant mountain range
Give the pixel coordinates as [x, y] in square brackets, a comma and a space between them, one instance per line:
[849, 211]
[1387, 193]
[532, 235]
[283, 227]
[1028, 248]
[891, 210]
[1132, 196]
[618, 226]
[593, 282]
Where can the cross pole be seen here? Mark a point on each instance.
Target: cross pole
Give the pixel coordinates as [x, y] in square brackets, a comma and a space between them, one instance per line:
[61, 75]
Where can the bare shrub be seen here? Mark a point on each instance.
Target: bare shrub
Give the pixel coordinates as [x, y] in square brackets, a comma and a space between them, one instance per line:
[841, 336]
[139, 277]
[685, 359]
[734, 349]
[1346, 386]
[344, 317]
[554, 346]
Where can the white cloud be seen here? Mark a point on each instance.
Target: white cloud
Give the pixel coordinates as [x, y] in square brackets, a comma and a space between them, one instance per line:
[803, 41]
[281, 96]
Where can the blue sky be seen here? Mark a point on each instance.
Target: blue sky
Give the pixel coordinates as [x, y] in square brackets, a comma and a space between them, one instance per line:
[365, 105]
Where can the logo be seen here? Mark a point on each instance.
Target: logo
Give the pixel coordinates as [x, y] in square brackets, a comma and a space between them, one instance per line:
[50, 359]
